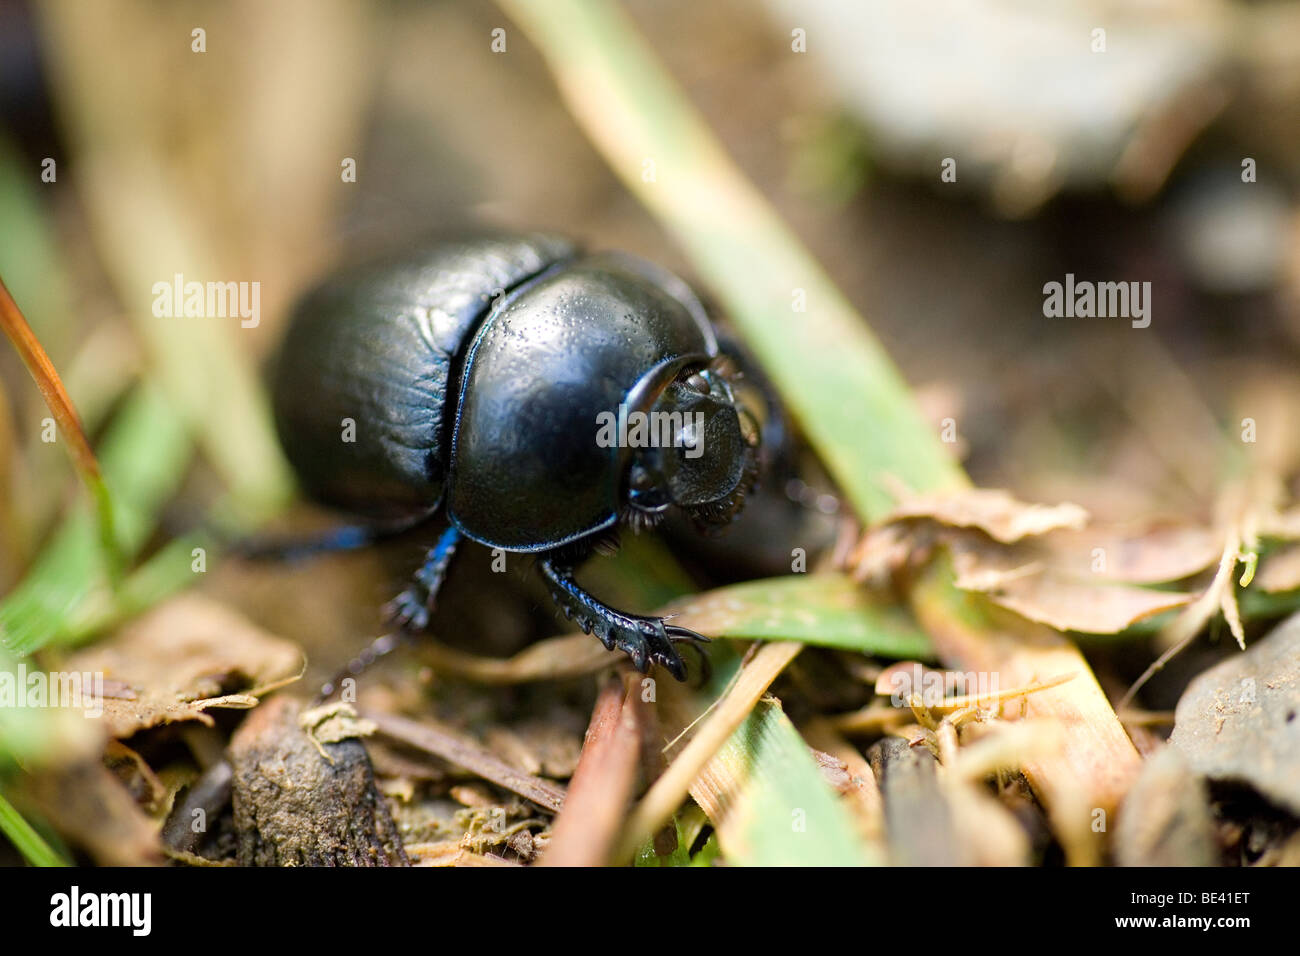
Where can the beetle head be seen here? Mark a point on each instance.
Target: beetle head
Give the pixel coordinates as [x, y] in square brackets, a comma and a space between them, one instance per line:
[703, 453]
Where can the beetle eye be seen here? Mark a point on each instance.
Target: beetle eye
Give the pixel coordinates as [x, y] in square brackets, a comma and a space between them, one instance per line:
[697, 382]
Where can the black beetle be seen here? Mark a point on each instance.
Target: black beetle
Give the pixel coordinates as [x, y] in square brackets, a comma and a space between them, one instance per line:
[472, 377]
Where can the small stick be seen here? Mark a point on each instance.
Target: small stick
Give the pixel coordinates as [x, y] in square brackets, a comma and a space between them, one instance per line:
[456, 748]
[671, 789]
[585, 831]
[65, 414]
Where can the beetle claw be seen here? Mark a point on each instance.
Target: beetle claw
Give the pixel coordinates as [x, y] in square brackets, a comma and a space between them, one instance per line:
[406, 612]
[656, 644]
[694, 640]
[645, 640]
[674, 665]
[678, 633]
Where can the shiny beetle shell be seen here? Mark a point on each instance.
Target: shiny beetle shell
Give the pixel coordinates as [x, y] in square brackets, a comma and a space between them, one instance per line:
[604, 331]
[369, 356]
[475, 370]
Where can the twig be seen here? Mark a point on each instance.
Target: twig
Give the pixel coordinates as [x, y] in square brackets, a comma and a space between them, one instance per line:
[1184, 628]
[1091, 771]
[43, 372]
[456, 748]
[602, 783]
[671, 789]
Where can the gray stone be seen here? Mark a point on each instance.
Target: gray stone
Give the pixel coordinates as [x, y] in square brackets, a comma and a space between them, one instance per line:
[1165, 819]
[1240, 720]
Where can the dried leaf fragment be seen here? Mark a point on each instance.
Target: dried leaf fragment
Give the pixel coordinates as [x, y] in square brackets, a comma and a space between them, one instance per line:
[331, 723]
[1280, 570]
[994, 511]
[1069, 604]
[182, 659]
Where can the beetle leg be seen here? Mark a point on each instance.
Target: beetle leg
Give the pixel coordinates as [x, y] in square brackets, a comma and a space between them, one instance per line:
[411, 608]
[350, 537]
[645, 640]
[384, 644]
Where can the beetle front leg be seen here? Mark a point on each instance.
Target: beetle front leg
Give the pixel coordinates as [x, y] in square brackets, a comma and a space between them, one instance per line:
[645, 640]
[411, 608]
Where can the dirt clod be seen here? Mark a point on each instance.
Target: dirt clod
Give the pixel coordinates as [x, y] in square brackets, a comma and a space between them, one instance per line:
[295, 807]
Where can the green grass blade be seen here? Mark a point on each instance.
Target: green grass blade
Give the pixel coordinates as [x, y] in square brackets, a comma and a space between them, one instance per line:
[828, 610]
[845, 391]
[25, 838]
[144, 458]
[781, 811]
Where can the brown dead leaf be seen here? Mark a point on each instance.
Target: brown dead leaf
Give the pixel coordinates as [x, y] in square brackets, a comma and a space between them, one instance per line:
[544, 747]
[993, 511]
[87, 804]
[1041, 562]
[182, 659]
[125, 717]
[451, 853]
[1280, 570]
[1069, 604]
[135, 775]
[1281, 524]
[462, 750]
[1153, 553]
[1219, 597]
[1041, 591]
[572, 655]
[881, 553]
